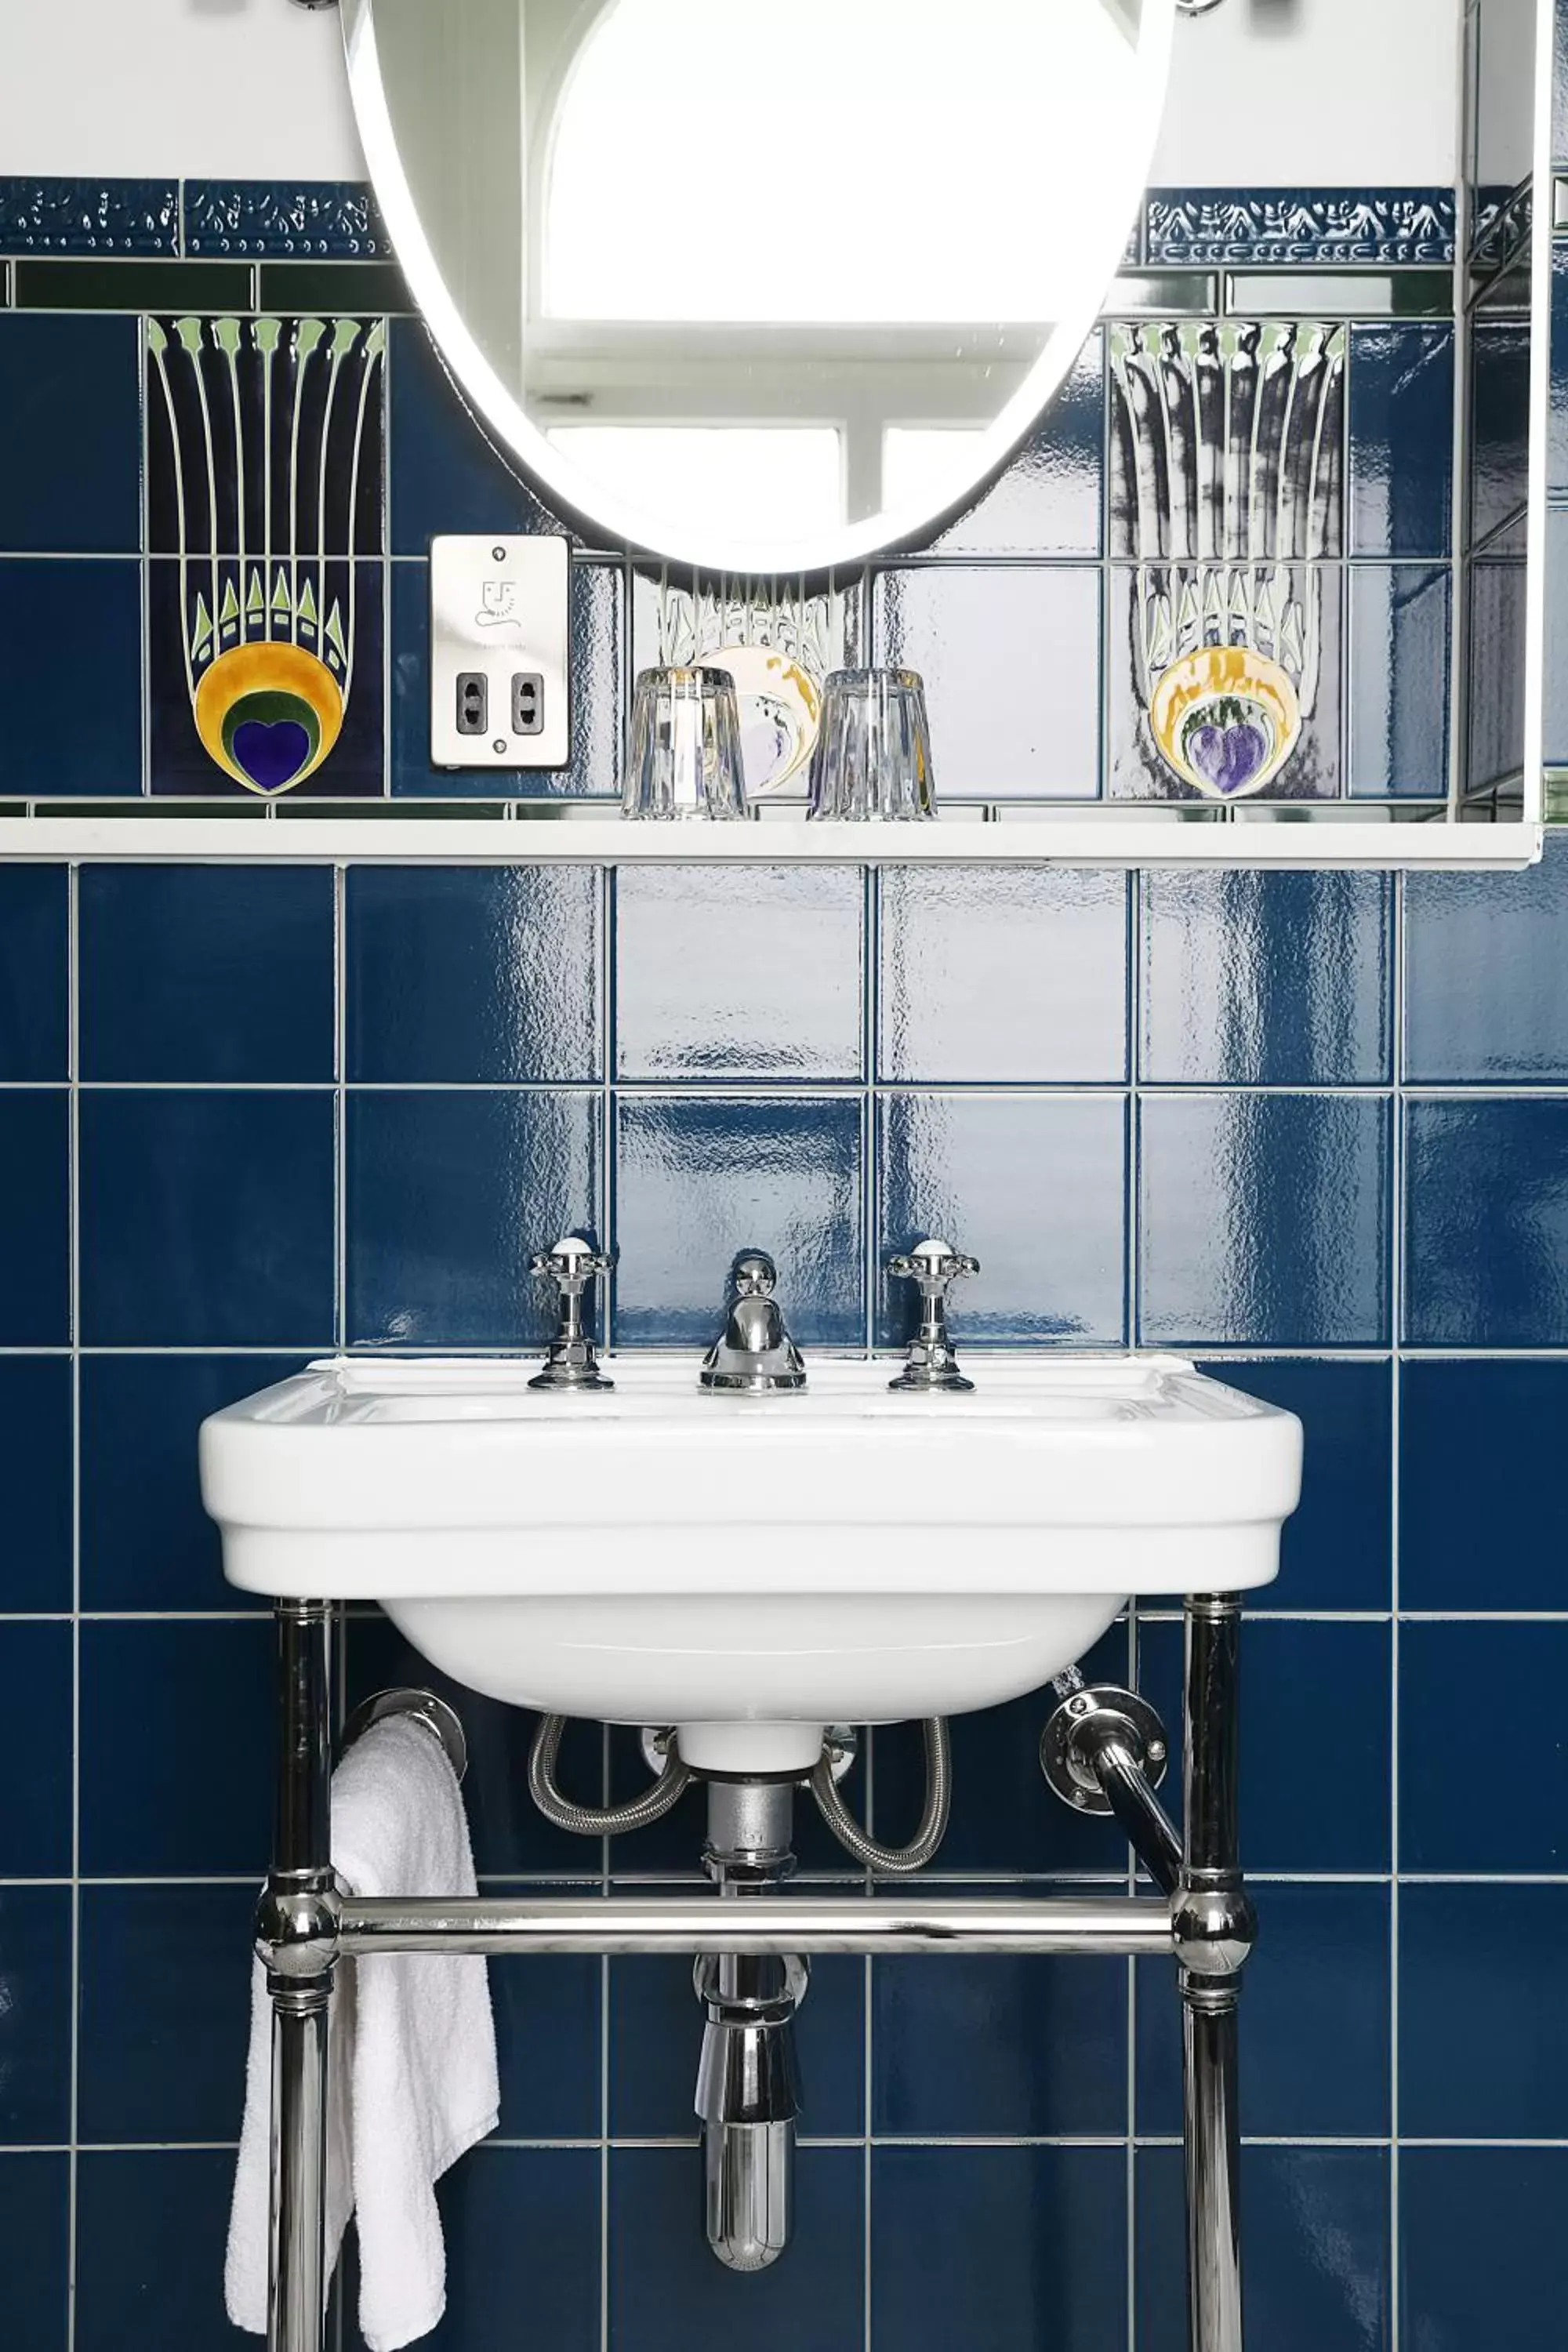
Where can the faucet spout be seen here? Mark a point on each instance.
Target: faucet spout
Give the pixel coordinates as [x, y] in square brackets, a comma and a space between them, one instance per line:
[754, 1355]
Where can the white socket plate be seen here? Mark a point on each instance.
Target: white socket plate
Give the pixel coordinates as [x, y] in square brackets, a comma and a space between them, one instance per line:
[500, 610]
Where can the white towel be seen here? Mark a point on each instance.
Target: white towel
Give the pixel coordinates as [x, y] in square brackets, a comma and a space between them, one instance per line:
[413, 2080]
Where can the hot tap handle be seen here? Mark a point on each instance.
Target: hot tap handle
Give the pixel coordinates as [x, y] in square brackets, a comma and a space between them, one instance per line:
[572, 1265]
[935, 1265]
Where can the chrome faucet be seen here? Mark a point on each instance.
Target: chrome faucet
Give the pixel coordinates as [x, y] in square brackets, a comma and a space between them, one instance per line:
[932, 1364]
[572, 1361]
[754, 1355]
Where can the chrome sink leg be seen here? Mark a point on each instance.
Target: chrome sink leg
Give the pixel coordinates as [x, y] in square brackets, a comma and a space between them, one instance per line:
[297, 1911]
[748, 2089]
[1214, 1926]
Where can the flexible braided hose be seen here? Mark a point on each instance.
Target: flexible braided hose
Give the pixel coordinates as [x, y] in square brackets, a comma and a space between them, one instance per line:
[933, 1819]
[594, 1821]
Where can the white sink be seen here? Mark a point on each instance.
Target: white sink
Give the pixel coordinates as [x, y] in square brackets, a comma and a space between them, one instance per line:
[751, 1568]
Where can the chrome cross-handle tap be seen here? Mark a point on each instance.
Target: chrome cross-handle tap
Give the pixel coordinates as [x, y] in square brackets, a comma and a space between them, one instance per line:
[932, 1365]
[571, 1266]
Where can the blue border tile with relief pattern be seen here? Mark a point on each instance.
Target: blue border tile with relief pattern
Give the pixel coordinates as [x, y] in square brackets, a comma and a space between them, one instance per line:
[1265, 227]
[326, 220]
[88, 216]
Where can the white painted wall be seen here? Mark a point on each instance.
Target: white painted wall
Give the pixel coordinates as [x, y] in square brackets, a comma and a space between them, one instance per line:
[1354, 91]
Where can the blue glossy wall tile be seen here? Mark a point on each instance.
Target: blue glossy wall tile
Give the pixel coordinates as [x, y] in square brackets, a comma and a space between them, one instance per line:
[36, 1820]
[1264, 1220]
[1006, 720]
[150, 2227]
[1318, 2264]
[1398, 689]
[723, 977]
[449, 1195]
[522, 2234]
[1449, 1820]
[473, 975]
[1315, 2021]
[1487, 1223]
[1500, 469]
[656, 2033]
[1481, 2249]
[1479, 1524]
[1557, 426]
[1485, 975]
[36, 1455]
[1050, 500]
[168, 1957]
[998, 2246]
[207, 1219]
[666, 2293]
[195, 974]
[98, 750]
[34, 919]
[1510, 2082]
[147, 1811]
[548, 2041]
[35, 2248]
[980, 1168]
[1400, 440]
[1276, 980]
[35, 2019]
[444, 473]
[701, 1178]
[1334, 1550]
[994, 2049]
[988, 976]
[35, 1220]
[71, 397]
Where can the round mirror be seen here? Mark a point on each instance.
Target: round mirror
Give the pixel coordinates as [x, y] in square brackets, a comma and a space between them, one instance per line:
[763, 288]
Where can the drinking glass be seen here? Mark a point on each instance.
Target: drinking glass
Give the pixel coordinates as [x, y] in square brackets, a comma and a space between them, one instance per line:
[873, 750]
[686, 747]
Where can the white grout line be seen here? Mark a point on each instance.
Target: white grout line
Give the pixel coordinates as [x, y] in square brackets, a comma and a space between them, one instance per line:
[1397, 1325]
[73, 1065]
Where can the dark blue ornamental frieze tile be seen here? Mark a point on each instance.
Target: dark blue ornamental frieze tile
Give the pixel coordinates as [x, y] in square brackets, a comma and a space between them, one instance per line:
[60, 216]
[328, 219]
[1502, 224]
[1266, 228]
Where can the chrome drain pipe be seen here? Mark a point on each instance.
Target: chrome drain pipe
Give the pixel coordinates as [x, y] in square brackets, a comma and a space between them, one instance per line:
[748, 2083]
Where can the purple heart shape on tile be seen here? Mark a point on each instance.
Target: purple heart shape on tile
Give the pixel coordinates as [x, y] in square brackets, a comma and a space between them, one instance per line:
[1229, 758]
[271, 752]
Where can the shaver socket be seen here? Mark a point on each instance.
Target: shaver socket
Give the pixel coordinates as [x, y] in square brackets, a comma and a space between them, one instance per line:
[501, 652]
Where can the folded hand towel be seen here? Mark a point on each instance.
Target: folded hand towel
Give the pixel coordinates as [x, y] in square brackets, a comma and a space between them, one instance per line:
[413, 2080]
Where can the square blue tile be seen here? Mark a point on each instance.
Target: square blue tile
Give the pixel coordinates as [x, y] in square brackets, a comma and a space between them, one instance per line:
[978, 1169]
[70, 396]
[36, 1819]
[999, 2049]
[97, 747]
[1315, 2225]
[443, 472]
[669, 2294]
[449, 1195]
[1499, 426]
[1480, 1515]
[1486, 980]
[655, 2038]
[597, 624]
[485, 975]
[206, 974]
[1400, 619]
[1265, 979]
[36, 1464]
[691, 1004]
[1011, 662]
[1482, 2256]
[35, 2250]
[522, 2235]
[151, 2230]
[207, 1219]
[1334, 1553]
[998, 2246]
[34, 2018]
[160, 2052]
[1306, 1803]
[991, 976]
[146, 1542]
[1487, 1223]
[1400, 440]
[1315, 2021]
[34, 922]
[35, 1220]
[1049, 499]
[548, 2045]
[1510, 2082]
[146, 1811]
[1305, 1179]
[1499, 622]
[701, 1178]
[1448, 1820]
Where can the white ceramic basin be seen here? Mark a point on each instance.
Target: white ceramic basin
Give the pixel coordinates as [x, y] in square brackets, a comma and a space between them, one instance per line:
[751, 1568]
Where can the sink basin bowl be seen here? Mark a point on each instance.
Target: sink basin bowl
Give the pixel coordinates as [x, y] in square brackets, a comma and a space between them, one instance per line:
[751, 1568]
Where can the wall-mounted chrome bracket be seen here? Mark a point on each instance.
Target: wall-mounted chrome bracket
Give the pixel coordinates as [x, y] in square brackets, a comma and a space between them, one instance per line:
[420, 1706]
[1104, 1750]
